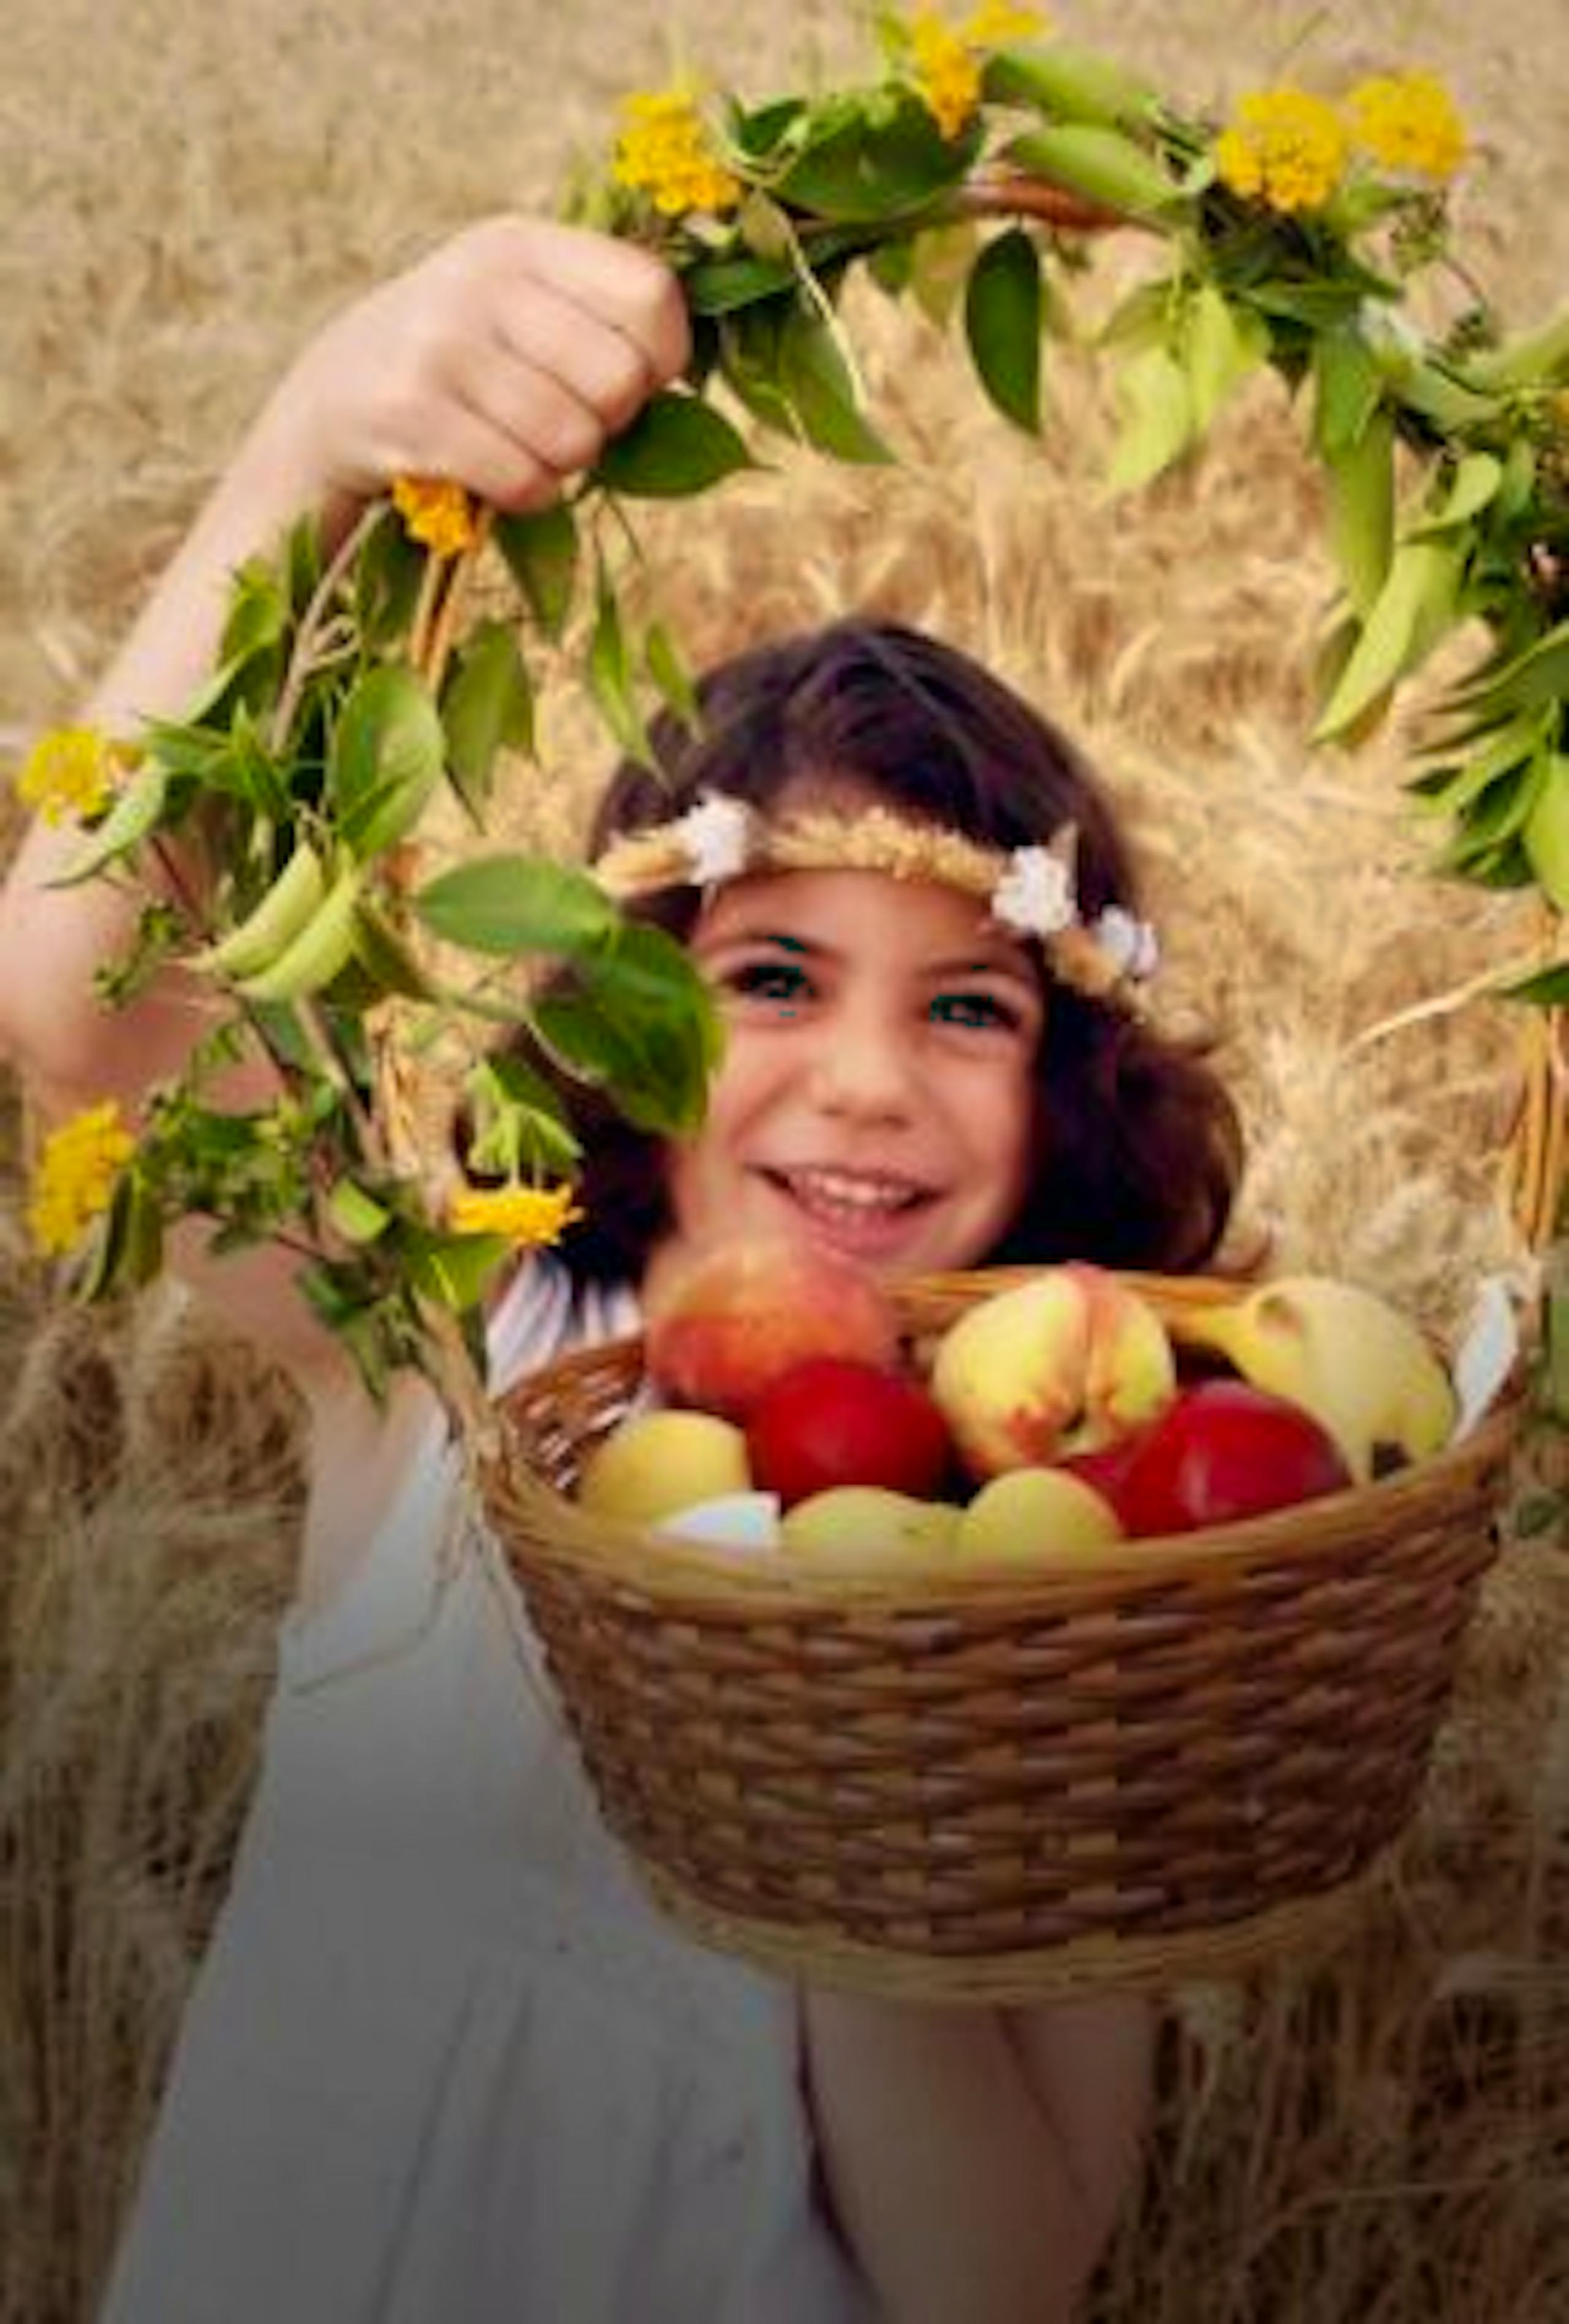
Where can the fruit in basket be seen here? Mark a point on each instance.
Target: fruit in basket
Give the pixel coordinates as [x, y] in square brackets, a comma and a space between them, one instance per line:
[1065, 1361]
[657, 1463]
[1018, 1517]
[866, 1528]
[1346, 1356]
[721, 1326]
[830, 1421]
[1224, 1450]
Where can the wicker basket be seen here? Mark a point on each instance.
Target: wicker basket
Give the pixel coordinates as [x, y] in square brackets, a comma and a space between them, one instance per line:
[1149, 1762]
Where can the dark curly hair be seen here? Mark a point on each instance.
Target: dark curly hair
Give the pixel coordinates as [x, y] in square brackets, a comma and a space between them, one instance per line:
[1140, 1145]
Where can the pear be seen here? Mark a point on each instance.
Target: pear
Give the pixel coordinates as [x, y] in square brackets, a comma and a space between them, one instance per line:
[1026, 1515]
[1345, 1355]
[868, 1529]
[657, 1463]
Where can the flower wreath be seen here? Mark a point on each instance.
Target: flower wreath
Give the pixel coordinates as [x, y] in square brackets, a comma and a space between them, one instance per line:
[352, 690]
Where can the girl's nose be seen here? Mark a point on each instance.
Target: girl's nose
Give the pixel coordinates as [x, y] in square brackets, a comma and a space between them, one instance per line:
[864, 1066]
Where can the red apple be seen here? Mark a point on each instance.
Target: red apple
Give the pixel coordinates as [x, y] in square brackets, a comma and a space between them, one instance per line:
[1224, 1450]
[1105, 1467]
[832, 1421]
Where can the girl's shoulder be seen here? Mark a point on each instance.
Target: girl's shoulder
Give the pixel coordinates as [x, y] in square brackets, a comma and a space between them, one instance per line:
[544, 1313]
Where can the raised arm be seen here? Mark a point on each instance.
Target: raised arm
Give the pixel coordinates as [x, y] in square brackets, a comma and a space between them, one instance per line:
[503, 361]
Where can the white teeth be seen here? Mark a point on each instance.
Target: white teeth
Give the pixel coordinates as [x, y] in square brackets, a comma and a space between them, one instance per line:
[853, 1193]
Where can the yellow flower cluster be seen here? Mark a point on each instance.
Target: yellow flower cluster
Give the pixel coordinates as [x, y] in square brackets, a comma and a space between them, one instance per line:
[664, 151]
[946, 75]
[1284, 146]
[74, 771]
[1408, 121]
[437, 513]
[528, 1216]
[76, 1176]
[946, 71]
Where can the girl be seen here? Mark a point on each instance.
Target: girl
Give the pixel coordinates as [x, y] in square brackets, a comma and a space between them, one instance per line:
[443, 2058]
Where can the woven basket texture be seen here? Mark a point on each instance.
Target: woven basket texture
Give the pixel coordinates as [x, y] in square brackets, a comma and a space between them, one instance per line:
[1154, 1760]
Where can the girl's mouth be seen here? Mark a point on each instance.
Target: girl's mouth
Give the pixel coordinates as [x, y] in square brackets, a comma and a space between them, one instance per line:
[865, 1212]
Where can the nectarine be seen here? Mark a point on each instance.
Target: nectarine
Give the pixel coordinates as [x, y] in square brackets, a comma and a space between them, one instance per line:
[720, 1326]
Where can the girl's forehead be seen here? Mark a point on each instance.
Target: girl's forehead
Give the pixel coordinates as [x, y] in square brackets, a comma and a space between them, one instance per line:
[852, 911]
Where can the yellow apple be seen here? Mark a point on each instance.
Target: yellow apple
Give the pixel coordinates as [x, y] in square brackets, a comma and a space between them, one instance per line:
[659, 1462]
[1061, 1363]
[868, 1529]
[1021, 1517]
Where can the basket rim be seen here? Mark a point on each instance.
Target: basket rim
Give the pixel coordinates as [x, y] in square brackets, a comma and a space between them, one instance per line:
[659, 1565]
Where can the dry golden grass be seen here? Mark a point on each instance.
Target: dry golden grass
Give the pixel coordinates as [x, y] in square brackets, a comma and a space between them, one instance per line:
[1378, 2133]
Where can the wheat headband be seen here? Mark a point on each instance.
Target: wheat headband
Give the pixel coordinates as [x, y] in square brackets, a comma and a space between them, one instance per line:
[1028, 890]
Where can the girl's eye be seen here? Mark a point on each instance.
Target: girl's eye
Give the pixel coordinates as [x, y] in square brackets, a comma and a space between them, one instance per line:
[776, 980]
[975, 1011]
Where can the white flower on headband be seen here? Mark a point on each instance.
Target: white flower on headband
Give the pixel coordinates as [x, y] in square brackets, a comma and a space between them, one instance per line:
[1035, 894]
[716, 837]
[1130, 945]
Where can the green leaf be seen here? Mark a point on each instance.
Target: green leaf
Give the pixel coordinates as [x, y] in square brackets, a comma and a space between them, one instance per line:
[1471, 485]
[1360, 487]
[386, 959]
[126, 1248]
[1546, 834]
[456, 1271]
[540, 552]
[356, 1214]
[717, 285]
[610, 679]
[942, 258]
[820, 390]
[388, 573]
[488, 706]
[640, 1020]
[1221, 345]
[520, 1129]
[1412, 610]
[677, 445]
[1454, 787]
[1002, 321]
[258, 616]
[1538, 676]
[1157, 426]
[663, 659]
[864, 169]
[749, 360]
[1348, 386]
[385, 759]
[509, 904]
[134, 814]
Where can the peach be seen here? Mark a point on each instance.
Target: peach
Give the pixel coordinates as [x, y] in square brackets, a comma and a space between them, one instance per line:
[725, 1325]
[1021, 1517]
[657, 1463]
[1061, 1363]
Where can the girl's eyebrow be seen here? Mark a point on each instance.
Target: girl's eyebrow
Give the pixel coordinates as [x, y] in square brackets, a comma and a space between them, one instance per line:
[1001, 964]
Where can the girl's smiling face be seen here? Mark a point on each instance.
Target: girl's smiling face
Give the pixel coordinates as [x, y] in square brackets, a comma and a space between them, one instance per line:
[877, 1092]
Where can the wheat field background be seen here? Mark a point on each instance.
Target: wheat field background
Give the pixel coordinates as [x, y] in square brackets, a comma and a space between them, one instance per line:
[1380, 2133]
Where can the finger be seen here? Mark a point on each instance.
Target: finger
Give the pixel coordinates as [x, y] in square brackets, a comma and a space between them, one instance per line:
[620, 285]
[494, 466]
[594, 362]
[547, 420]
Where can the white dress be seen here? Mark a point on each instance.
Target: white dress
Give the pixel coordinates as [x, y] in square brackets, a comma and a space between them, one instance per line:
[443, 2063]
